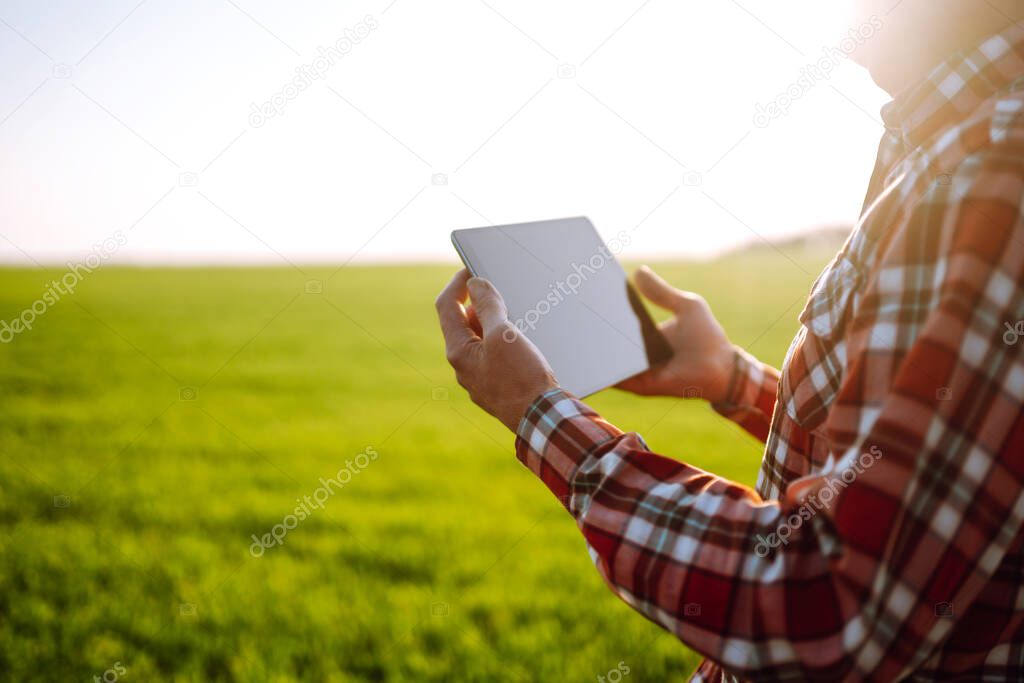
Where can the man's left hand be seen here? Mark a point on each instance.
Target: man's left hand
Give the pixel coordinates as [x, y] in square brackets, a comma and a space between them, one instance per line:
[500, 368]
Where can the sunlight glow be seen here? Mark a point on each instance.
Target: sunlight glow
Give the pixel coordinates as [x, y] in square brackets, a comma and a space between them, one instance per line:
[434, 116]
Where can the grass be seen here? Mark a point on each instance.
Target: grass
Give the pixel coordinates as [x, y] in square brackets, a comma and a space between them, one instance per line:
[126, 512]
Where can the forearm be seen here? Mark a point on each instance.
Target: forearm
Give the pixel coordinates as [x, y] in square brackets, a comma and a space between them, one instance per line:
[673, 541]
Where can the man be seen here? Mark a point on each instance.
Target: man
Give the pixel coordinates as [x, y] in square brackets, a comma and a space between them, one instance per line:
[884, 540]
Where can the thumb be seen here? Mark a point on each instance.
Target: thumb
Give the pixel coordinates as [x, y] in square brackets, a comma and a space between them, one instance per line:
[661, 293]
[488, 304]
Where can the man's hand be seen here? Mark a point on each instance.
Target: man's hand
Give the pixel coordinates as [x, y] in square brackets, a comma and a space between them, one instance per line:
[703, 359]
[500, 368]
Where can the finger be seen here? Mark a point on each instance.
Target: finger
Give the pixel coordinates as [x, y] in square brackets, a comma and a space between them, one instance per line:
[488, 304]
[454, 323]
[661, 293]
[474, 322]
[634, 384]
[643, 384]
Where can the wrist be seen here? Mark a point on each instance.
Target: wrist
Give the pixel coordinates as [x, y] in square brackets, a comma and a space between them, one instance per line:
[733, 380]
[718, 377]
[513, 416]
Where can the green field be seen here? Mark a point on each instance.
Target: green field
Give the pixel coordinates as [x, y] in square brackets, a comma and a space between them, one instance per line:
[155, 420]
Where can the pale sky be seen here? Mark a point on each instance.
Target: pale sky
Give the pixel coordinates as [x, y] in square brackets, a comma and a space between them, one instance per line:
[135, 117]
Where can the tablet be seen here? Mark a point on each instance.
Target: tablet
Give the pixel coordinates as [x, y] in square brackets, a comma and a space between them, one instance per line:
[567, 293]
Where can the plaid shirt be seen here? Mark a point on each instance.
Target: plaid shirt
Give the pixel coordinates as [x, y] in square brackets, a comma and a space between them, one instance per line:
[884, 539]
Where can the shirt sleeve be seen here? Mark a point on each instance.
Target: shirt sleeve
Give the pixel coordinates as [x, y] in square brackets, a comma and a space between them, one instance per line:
[862, 570]
[750, 399]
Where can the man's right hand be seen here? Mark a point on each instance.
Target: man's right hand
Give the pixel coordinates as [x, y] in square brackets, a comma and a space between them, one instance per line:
[703, 358]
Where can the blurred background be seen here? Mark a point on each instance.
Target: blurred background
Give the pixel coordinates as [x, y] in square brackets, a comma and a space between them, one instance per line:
[223, 224]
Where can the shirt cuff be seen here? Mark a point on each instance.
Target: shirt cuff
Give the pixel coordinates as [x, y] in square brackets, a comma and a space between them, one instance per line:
[556, 434]
[745, 385]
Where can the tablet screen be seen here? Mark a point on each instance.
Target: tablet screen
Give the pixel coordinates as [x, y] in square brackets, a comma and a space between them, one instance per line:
[567, 293]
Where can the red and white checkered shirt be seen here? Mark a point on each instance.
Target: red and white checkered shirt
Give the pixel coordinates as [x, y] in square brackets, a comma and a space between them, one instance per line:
[884, 539]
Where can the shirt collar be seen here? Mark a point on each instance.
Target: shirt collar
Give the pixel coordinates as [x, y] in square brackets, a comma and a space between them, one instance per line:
[956, 87]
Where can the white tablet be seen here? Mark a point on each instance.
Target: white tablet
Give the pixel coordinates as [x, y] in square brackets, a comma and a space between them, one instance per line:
[568, 294]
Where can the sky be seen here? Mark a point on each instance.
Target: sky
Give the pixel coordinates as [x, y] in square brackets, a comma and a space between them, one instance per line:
[176, 130]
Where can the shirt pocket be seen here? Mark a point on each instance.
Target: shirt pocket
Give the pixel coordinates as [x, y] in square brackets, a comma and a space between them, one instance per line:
[825, 313]
[816, 362]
